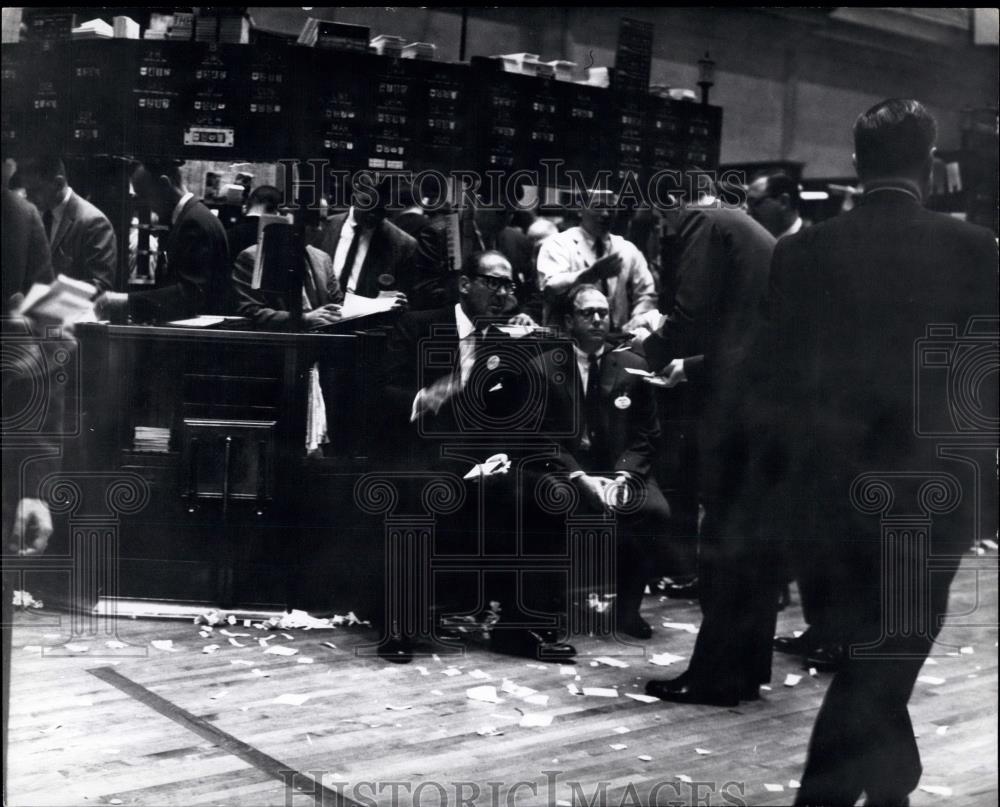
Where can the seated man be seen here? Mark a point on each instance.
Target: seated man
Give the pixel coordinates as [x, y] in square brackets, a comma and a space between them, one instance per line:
[609, 418]
[467, 390]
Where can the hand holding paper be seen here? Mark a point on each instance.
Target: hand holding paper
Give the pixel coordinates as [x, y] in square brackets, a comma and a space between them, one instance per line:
[673, 374]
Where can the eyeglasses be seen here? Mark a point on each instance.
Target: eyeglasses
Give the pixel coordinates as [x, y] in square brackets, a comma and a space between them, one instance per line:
[496, 284]
[588, 313]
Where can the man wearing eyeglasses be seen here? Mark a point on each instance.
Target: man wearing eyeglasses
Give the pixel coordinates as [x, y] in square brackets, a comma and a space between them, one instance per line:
[603, 423]
[455, 381]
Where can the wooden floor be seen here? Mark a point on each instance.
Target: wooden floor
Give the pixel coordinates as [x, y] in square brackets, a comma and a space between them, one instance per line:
[145, 726]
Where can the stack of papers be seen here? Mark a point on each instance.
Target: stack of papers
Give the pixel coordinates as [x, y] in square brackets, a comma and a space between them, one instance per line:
[65, 302]
[93, 29]
[151, 439]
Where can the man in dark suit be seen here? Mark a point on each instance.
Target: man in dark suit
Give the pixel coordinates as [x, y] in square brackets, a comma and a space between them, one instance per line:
[192, 275]
[370, 255]
[81, 239]
[850, 300]
[607, 419]
[722, 273]
[453, 377]
[263, 200]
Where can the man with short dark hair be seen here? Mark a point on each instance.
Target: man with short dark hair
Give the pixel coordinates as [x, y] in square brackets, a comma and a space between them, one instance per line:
[849, 300]
[81, 239]
[606, 419]
[774, 201]
[192, 276]
[263, 200]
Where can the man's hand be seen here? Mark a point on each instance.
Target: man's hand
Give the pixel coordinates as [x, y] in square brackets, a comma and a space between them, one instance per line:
[400, 302]
[523, 320]
[324, 315]
[672, 375]
[594, 489]
[433, 397]
[648, 321]
[608, 266]
[31, 529]
[112, 306]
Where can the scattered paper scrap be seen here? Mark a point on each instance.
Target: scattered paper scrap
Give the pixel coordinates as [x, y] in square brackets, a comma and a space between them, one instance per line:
[637, 696]
[618, 746]
[537, 700]
[289, 637]
[304, 660]
[537, 666]
[682, 777]
[260, 673]
[292, 699]
[479, 675]
[236, 643]
[611, 662]
[645, 758]
[516, 690]
[989, 543]
[966, 651]
[687, 627]
[114, 644]
[942, 730]
[392, 708]
[565, 670]
[792, 679]
[931, 679]
[451, 671]
[797, 634]
[573, 689]
[622, 730]
[241, 662]
[536, 720]
[210, 648]
[794, 784]
[225, 632]
[331, 645]
[813, 672]
[931, 661]
[601, 692]
[936, 790]
[486, 694]
[774, 788]
[765, 687]
[280, 650]
[218, 695]
[80, 648]
[231, 619]
[664, 659]
[489, 731]
[422, 670]
[702, 751]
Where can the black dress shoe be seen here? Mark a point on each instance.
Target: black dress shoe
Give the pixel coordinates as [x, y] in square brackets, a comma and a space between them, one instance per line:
[398, 651]
[633, 625]
[530, 644]
[794, 645]
[682, 589]
[825, 657]
[681, 690]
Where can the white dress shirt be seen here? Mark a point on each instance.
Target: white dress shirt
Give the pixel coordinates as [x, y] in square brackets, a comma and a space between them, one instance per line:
[344, 246]
[58, 212]
[796, 226]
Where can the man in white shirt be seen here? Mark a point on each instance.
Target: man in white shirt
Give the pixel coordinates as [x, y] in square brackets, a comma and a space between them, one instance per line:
[591, 254]
[774, 201]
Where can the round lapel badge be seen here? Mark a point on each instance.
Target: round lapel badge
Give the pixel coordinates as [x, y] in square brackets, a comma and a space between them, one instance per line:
[386, 280]
[492, 362]
[623, 402]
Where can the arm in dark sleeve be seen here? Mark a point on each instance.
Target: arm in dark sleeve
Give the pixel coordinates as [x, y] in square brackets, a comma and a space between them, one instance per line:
[399, 381]
[430, 277]
[251, 303]
[99, 254]
[39, 262]
[638, 456]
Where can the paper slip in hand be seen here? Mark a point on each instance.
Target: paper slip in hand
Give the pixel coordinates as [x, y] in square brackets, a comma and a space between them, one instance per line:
[792, 679]
[292, 700]
[486, 694]
[637, 371]
[664, 659]
[601, 692]
[611, 662]
[535, 720]
[357, 306]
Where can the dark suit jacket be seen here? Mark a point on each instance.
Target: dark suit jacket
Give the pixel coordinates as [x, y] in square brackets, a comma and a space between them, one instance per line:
[390, 253]
[721, 279]
[196, 277]
[241, 235]
[26, 257]
[850, 301]
[84, 245]
[628, 412]
[269, 310]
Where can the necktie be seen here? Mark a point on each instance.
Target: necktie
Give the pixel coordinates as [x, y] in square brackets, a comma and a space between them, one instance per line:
[592, 402]
[47, 221]
[352, 253]
[599, 250]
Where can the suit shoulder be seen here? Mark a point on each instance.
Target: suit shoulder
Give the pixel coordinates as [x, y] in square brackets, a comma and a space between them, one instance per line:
[627, 357]
[401, 237]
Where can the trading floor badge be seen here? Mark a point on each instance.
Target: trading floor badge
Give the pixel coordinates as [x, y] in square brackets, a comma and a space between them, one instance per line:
[623, 402]
[493, 362]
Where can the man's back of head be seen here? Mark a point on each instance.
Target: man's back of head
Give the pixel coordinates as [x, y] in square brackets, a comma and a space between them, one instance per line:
[895, 139]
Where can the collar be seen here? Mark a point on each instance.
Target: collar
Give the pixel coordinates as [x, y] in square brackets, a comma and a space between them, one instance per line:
[796, 226]
[187, 197]
[465, 326]
[897, 185]
[590, 240]
[585, 357]
[351, 222]
[61, 205]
